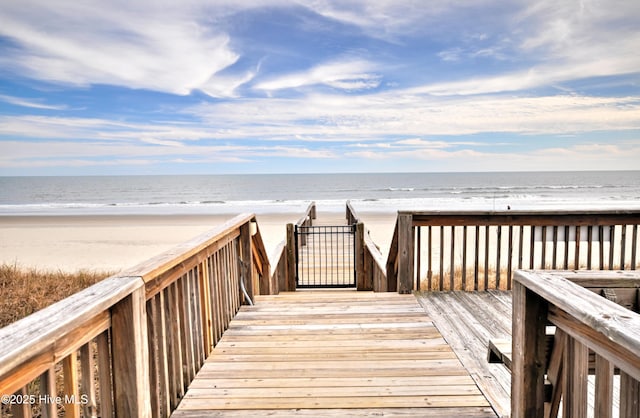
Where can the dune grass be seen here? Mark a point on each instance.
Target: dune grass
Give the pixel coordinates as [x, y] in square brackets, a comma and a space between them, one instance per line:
[24, 291]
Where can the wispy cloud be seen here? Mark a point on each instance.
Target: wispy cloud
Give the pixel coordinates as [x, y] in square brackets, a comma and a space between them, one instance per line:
[137, 45]
[354, 80]
[30, 103]
[345, 75]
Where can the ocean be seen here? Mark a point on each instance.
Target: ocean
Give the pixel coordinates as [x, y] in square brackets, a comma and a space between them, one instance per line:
[291, 193]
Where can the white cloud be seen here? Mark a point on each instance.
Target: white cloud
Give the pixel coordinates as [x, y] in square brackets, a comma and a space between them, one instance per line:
[31, 103]
[137, 45]
[345, 75]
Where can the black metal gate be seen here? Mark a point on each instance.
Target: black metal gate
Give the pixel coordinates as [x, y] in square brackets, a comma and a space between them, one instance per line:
[325, 256]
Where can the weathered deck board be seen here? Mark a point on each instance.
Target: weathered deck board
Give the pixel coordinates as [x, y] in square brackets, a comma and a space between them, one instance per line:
[333, 353]
[467, 321]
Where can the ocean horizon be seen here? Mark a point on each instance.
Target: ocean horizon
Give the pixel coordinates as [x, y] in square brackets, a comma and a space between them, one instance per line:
[291, 193]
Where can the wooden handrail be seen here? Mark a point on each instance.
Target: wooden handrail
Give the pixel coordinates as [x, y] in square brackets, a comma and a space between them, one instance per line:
[309, 215]
[585, 322]
[149, 329]
[477, 250]
[370, 267]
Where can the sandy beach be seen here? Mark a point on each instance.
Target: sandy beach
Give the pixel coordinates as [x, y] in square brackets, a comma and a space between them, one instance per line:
[116, 242]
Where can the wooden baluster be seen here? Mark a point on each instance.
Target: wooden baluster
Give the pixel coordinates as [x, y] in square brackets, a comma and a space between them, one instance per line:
[623, 246]
[576, 370]
[612, 235]
[104, 375]
[452, 260]
[486, 257]
[604, 388]
[48, 392]
[498, 252]
[543, 256]
[464, 258]
[87, 383]
[70, 372]
[476, 260]
[510, 259]
[441, 258]
[554, 260]
[589, 245]
[634, 246]
[21, 409]
[629, 396]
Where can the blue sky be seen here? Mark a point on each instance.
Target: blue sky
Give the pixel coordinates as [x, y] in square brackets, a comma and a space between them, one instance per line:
[261, 86]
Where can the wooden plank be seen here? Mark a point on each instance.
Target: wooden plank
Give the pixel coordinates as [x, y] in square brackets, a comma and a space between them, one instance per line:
[308, 402]
[338, 382]
[466, 339]
[324, 361]
[332, 391]
[470, 412]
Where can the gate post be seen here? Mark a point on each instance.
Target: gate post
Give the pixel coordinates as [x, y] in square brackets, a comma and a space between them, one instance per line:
[290, 285]
[363, 281]
[405, 253]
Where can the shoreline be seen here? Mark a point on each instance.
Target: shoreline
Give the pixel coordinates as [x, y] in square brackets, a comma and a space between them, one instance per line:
[110, 243]
[113, 242]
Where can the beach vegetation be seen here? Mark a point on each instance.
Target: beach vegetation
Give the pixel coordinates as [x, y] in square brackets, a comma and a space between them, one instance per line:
[24, 291]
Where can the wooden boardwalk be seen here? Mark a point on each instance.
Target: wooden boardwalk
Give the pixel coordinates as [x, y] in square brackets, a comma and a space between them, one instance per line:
[333, 353]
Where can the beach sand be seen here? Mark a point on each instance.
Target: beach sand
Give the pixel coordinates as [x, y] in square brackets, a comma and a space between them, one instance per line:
[116, 242]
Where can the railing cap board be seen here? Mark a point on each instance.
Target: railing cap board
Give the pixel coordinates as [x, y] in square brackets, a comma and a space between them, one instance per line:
[151, 268]
[517, 217]
[38, 332]
[618, 324]
[309, 213]
[376, 255]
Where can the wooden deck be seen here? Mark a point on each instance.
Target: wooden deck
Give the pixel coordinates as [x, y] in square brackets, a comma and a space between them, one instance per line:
[333, 353]
[467, 321]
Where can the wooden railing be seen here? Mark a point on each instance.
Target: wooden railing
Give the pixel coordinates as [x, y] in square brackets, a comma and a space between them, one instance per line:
[130, 345]
[370, 267]
[481, 250]
[586, 323]
[284, 273]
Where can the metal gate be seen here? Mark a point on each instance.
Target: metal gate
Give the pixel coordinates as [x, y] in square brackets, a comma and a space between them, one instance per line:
[325, 256]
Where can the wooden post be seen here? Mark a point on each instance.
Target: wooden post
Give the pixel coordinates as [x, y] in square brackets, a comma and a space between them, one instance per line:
[246, 267]
[528, 363]
[405, 253]
[291, 260]
[312, 212]
[363, 281]
[131, 356]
